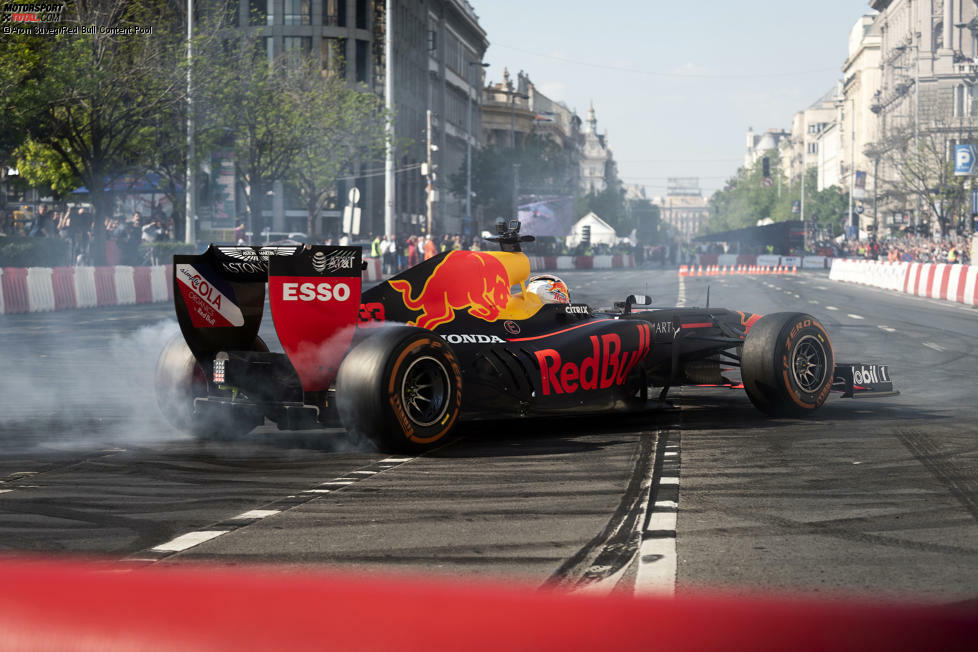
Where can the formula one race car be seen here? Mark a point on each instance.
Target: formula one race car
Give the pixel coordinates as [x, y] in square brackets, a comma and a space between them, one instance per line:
[457, 337]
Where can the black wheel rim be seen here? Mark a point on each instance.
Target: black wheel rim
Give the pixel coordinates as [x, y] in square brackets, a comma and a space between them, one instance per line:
[808, 364]
[425, 391]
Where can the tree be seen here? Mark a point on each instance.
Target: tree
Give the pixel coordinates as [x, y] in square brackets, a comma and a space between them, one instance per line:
[744, 200]
[341, 124]
[250, 98]
[83, 99]
[924, 169]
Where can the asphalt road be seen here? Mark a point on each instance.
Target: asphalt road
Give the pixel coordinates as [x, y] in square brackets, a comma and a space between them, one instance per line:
[868, 498]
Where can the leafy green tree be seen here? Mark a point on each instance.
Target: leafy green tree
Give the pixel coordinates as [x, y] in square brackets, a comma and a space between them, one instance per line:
[83, 99]
[743, 201]
[341, 125]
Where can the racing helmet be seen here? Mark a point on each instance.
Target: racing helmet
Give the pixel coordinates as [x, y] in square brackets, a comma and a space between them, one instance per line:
[549, 288]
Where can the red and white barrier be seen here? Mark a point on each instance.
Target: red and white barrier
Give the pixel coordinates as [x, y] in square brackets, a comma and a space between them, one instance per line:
[374, 270]
[958, 283]
[765, 260]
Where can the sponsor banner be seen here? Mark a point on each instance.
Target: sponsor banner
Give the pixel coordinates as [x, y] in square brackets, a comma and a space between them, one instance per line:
[209, 299]
[791, 261]
[769, 260]
[813, 262]
[468, 338]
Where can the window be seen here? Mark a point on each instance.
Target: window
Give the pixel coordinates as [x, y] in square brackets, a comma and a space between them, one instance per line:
[269, 49]
[298, 12]
[362, 49]
[261, 12]
[958, 101]
[361, 14]
[813, 148]
[334, 13]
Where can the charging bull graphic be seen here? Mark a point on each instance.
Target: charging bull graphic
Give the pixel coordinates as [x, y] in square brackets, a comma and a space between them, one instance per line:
[465, 279]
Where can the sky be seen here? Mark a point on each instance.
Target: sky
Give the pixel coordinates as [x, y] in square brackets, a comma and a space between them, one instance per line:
[674, 84]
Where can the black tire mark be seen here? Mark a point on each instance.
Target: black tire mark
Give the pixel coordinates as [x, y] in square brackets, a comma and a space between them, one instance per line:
[962, 484]
[618, 542]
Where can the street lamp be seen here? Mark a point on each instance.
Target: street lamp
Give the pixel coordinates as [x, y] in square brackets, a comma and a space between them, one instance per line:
[468, 145]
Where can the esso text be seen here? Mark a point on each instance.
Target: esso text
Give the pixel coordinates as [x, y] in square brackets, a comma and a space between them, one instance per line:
[315, 292]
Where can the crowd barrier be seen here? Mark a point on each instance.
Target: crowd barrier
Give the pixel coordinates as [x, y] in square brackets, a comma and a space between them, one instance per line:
[732, 270]
[958, 283]
[764, 260]
[43, 289]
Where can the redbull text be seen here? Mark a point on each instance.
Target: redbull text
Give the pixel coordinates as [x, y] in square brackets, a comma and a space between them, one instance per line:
[607, 365]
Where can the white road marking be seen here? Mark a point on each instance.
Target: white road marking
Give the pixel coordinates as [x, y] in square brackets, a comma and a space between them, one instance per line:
[886, 328]
[365, 472]
[258, 513]
[5, 491]
[797, 296]
[189, 540]
[831, 308]
[666, 504]
[931, 345]
[855, 316]
[314, 491]
[671, 453]
[681, 300]
[813, 301]
[821, 287]
[669, 479]
[339, 482]
[657, 556]
[397, 459]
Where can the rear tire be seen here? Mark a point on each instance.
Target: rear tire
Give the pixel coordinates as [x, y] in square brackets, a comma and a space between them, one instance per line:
[179, 380]
[787, 364]
[401, 388]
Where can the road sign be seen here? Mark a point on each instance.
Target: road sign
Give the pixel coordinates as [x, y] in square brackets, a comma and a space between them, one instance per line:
[354, 195]
[860, 208]
[768, 182]
[796, 206]
[964, 160]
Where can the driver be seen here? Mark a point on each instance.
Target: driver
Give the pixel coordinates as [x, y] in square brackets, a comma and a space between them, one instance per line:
[549, 288]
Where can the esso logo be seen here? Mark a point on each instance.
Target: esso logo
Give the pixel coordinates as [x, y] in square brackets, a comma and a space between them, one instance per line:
[315, 292]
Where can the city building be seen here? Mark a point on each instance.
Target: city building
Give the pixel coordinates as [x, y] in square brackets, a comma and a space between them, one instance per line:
[758, 144]
[683, 209]
[438, 46]
[800, 151]
[928, 92]
[597, 160]
[859, 124]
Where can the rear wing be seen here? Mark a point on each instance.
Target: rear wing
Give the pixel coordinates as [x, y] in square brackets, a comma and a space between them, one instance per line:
[314, 294]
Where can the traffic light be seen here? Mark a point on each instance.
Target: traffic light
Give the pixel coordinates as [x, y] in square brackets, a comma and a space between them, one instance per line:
[766, 167]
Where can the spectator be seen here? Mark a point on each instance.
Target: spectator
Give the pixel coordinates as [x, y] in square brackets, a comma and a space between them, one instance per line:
[128, 236]
[430, 249]
[375, 247]
[43, 227]
[412, 251]
[154, 231]
[388, 250]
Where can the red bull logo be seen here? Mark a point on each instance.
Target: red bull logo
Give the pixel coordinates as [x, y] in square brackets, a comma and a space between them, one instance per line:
[477, 281]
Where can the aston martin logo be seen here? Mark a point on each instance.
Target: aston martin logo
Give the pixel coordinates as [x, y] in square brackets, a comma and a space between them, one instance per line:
[249, 254]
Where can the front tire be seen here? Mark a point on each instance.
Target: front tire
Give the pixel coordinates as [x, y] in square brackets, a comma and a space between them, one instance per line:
[402, 388]
[787, 364]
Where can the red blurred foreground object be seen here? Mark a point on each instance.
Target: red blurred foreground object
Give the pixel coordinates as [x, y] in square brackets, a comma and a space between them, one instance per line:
[96, 606]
